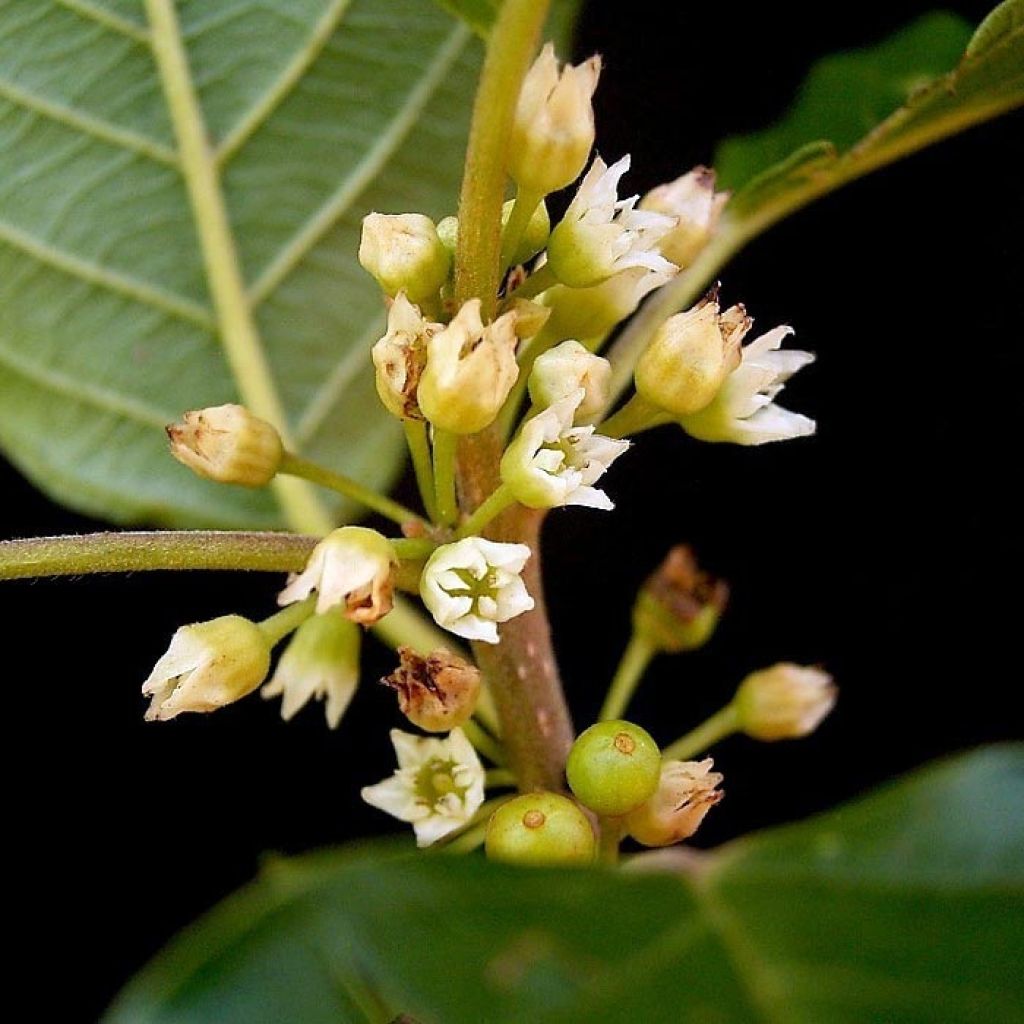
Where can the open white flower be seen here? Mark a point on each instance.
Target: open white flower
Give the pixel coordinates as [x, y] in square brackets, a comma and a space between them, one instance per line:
[438, 787]
[320, 662]
[553, 463]
[695, 204]
[743, 411]
[472, 585]
[601, 234]
[351, 567]
[208, 665]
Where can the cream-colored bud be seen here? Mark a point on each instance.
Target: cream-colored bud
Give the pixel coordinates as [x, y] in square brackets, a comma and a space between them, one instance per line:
[437, 692]
[590, 313]
[678, 607]
[695, 204]
[686, 792]
[448, 232]
[351, 568]
[690, 356]
[553, 129]
[470, 371]
[566, 369]
[783, 702]
[400, 356]
[530, 317]
[404, 253]
[228, 444]
[208, 665]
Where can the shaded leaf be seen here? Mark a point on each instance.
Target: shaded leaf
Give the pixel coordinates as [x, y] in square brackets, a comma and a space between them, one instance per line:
[904, 907]
[478, 14]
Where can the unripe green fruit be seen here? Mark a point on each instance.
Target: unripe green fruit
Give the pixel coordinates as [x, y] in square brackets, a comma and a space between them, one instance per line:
[540, 828]
[613, 767]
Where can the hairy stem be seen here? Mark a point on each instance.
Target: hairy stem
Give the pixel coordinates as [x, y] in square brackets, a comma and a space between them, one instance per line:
[510, 48]
[157, 549]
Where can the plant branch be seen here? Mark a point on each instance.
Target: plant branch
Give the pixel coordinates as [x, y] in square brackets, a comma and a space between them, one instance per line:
[510, 49]
[76, 555]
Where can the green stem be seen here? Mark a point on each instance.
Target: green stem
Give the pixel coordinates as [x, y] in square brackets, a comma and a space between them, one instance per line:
[539, 281]
[483, 742]
[500, 499]
[498, 778]
[523, 209]
[540, 343]
[296, 465]
[636, 416]
[287, 620]
[413, 548]
[609, 840]
[698, 741]
[510, 48]
[419, 449]
[446, 503]
[635, 659]
[150, 550]
[238, 332]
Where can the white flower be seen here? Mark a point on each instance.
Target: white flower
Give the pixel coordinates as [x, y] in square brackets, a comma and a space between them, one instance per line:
[784, 702]
[553, 463]
[695, 204]
[438, 787]
[228, 444]
[320, 662]
[743, 411]
[351, 567]
[601, 234]
[686, 791]
[208, 665]
[472, 585]
[565, 369]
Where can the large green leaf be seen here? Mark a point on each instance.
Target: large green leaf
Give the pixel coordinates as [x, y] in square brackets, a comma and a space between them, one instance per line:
[318, 111]
[903, 907]
[988, 81]
[845, 95]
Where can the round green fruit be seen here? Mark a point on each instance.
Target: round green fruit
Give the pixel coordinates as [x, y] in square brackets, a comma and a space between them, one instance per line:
[613, 767]
[538, 829]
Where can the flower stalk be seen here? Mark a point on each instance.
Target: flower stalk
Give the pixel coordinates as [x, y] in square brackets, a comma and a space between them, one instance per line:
[720, 725]
[635, 659]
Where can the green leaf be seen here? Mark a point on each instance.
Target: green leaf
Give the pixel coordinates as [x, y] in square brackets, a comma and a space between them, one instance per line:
[318, 111]
[987, 82]
[478, 14]
[904, 907]
[845, 95]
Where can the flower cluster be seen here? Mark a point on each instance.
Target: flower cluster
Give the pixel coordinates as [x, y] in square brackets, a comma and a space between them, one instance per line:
[522, 365]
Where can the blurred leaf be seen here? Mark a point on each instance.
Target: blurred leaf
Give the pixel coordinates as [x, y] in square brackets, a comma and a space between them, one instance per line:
[903, 907]
[845, 95]
[319, 110]
[478, 14]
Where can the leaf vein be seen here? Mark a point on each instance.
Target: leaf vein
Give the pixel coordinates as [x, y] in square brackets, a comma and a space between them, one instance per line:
[108, 19]
[364, 172]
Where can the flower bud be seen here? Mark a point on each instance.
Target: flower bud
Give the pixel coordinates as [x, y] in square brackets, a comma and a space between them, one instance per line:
[690, 356]
[321, 662]
[400, 357]
[601, 235]
[470, 371]
[353, 568]
[566, 369]
[613, 767]
[540, 829]
[686, 792]
[228, 444]
[553, 129]
[783, 702]
[208, 665]
[695, 204]
[404, 253]
[438, 692]
[590, 313]
[448, 232]
[531, 317]
[678, 607]
[534, 238]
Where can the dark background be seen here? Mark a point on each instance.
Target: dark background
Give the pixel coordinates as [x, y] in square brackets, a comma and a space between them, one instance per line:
[888, 548]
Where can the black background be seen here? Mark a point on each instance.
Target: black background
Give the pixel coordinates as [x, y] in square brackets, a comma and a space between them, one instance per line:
[887, 549]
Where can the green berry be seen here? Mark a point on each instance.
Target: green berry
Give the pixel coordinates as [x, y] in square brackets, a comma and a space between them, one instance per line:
[540, 828]
[613, 767]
